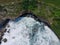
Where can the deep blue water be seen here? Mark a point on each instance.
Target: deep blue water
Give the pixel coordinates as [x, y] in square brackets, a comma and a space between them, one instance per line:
[0, 25]
[17, 19]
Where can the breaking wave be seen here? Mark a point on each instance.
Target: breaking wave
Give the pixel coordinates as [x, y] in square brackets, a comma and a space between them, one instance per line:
[28, 31]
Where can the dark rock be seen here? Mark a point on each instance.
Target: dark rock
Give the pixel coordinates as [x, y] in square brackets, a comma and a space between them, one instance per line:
[5, 40]
[8, 31]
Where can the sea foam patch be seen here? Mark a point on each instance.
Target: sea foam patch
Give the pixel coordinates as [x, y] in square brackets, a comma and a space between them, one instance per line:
[28, 31]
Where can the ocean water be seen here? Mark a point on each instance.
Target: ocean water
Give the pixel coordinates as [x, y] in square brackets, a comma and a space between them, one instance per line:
[28, 31]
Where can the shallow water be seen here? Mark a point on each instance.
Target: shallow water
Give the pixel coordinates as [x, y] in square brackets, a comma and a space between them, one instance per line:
[28, 31]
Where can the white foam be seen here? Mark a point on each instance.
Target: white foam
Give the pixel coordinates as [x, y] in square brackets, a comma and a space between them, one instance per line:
[28, 31]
